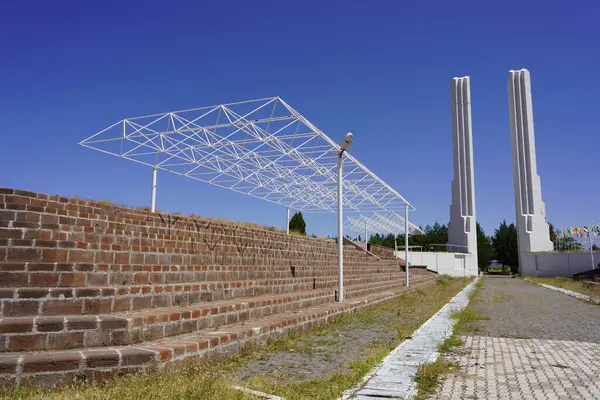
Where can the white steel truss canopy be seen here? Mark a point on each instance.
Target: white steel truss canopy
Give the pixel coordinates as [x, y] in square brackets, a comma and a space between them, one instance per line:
[263, 148]
[382, 223]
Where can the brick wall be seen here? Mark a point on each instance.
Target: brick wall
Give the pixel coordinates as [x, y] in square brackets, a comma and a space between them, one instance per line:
[71, 245]
[381, 251]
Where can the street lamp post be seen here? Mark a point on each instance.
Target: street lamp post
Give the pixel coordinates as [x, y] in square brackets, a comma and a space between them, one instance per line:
[153, 196]
[343, 147]
[406, 243]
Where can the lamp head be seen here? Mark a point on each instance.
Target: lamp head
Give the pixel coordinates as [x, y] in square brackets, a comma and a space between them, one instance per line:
[346, 142]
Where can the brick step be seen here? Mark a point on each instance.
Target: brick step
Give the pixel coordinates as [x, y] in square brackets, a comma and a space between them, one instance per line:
[89, 230]
[111, 227]
[105, 299]
[73, 331]
[50, 368]
[85, 275]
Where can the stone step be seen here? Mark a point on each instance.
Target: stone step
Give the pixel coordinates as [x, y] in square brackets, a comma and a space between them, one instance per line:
[50, 368]
[74, 331]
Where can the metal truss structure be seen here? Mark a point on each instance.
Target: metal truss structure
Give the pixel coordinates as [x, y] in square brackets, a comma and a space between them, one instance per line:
[262, 148]
[382, 223]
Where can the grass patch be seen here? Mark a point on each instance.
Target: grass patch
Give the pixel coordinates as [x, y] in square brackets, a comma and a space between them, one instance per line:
[200, 381]
[330, 388]
[582, 287]
[430, 375]
[450, 343]
[502, 297]
[466, 319]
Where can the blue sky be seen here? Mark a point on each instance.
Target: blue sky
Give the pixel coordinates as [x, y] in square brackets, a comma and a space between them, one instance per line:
[379, 69]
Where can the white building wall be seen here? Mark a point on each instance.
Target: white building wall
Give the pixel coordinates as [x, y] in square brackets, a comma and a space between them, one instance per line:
[453, 264]
[557, 263]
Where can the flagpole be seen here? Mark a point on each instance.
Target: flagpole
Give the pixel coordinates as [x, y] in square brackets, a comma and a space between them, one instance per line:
[591, 251]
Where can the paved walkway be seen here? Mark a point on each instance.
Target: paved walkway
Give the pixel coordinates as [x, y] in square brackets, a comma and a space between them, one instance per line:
[538, 344]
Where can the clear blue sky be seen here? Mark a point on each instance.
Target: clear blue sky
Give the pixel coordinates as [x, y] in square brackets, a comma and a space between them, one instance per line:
[379, 69]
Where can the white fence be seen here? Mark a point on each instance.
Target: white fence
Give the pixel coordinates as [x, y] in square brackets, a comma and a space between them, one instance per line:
[453, 264]
[558, 263]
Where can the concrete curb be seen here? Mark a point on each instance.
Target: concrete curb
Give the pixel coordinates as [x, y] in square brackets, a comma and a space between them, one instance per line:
[395, 376]
[571, 293]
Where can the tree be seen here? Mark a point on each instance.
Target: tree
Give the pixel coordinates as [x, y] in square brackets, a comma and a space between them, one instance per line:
[506, 246]
[485, 252]
[297, 223]
[567, 243]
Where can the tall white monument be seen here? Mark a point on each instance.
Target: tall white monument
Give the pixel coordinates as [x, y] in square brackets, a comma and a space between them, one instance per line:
[462, 230]
[532, 229]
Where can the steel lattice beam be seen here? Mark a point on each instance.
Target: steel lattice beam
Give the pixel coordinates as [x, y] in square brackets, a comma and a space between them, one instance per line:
[262, 148]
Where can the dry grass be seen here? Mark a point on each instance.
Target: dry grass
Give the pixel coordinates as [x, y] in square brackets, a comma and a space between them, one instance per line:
[576, 286]
[201, 381]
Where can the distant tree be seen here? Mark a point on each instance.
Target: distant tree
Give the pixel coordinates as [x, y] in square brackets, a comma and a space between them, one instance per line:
[376, 239]
[506, 246]
[567, 243]
[297, 223]
[595, 248]
[359, 239]
[485, 252]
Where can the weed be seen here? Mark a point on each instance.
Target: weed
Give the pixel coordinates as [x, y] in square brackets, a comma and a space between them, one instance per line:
[450, 343]
[429, 376]
[499, 298]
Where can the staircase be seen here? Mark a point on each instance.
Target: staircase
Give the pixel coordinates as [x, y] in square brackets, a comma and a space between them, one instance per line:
[90, 291]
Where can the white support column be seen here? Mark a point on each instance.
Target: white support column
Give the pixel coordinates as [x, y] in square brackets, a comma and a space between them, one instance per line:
[340, 231]
[406, 244]
[366, 240]
[287, 221]
[462, 231]
[153, 199]
[532, 230]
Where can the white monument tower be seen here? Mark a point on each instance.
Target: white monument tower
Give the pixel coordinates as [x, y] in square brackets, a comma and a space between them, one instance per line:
[462, 229]
[532, 229]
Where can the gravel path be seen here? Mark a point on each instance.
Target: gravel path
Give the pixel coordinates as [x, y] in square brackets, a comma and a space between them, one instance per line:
[519, 309]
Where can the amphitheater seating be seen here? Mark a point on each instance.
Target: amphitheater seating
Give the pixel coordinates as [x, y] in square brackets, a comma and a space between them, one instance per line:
[89, 290]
